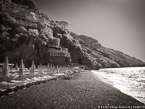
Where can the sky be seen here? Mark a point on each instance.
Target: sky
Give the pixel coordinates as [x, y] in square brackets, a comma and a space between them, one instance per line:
[116, 24]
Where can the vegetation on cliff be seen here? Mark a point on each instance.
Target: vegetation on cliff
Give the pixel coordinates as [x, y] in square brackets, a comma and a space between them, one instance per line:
[26, 33]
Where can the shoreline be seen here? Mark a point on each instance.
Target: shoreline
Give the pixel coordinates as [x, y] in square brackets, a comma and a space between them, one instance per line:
[123, 89]
[83, 91]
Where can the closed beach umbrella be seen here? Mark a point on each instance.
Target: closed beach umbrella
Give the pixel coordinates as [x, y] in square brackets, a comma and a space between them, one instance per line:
[12, 66]
[17, 68]
[40, 69]
[6, 69]
[48, 69]
[65, 69]
[22, 69]
[57, 67]
[52, 69]
[32, 70]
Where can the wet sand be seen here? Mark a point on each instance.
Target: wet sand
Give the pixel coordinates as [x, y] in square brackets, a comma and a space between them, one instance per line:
[83, 91]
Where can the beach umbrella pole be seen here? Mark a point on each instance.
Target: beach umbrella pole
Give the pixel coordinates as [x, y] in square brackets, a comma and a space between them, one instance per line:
[8, 85]
[33, 80]
[22, 81]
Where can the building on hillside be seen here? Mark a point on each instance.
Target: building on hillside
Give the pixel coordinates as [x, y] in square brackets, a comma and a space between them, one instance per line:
[59, 56]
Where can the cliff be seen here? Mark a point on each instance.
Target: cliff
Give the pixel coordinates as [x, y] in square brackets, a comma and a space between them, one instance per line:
[106, 57]
[26, 33]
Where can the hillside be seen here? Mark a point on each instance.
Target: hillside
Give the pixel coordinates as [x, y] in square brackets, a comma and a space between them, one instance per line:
[26, 33]
[106, 57]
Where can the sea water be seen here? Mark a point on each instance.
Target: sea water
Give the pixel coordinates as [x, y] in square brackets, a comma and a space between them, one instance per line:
[130, 80]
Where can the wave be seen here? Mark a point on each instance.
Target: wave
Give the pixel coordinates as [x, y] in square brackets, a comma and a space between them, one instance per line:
[130, 81]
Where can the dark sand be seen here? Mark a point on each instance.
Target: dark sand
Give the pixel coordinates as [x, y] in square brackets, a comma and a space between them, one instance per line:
[83, 91]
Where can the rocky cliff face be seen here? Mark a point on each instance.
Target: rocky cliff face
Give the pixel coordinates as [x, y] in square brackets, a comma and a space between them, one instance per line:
[106, 57]
[26, 33]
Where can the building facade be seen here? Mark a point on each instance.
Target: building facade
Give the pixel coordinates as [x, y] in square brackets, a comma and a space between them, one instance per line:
[59, 55]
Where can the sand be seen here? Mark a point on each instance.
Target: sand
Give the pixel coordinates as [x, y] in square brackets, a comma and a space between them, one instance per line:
[83, 91]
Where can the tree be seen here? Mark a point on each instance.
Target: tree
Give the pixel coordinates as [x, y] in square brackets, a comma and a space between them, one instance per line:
[45, 16]
[63, 24]
[5, 36]
[21, 29]
[33, 32]
[56, 21]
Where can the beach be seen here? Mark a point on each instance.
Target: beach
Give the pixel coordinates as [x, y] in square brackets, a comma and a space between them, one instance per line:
[84, 91]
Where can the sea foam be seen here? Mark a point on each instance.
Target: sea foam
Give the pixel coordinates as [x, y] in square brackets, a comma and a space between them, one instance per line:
[130, 81]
